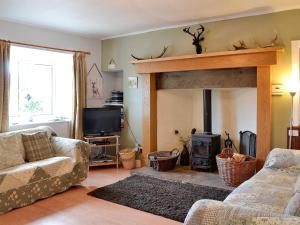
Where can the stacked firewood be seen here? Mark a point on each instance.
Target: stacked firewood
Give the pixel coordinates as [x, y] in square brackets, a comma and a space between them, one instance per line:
[231, 155]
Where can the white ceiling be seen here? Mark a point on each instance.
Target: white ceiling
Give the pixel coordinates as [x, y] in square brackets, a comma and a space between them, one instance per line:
[106, 18]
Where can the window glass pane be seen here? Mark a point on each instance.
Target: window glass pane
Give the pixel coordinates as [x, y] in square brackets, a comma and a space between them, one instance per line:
[35, 89]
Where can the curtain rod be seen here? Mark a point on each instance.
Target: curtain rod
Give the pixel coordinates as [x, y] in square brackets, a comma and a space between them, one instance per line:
[46, 47]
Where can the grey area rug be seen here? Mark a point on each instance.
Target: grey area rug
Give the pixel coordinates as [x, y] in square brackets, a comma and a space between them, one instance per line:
[160, 197]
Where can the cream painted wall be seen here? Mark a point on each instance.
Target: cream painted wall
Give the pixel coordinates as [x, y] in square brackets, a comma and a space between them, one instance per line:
[232, 111]
[22, 33]
[219, 37]
[177, 109]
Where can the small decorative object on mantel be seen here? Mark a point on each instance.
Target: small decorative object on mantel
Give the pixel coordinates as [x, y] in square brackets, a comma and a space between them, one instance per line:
[197, 38]
[112, 65]
[185, 141]
[273, 42]
[151, 57]
[241, 46]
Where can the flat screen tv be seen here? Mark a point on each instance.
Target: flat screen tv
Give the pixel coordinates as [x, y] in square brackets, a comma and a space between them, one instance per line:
[101, 121]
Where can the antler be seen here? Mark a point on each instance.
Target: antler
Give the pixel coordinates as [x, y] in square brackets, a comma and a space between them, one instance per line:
[136, 57]
[163, 52]
[159, 56]
[196, 38]
[273, 41]
[187, 30]
[201, 32]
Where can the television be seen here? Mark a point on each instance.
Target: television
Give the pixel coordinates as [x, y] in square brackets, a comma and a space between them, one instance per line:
[101, 121]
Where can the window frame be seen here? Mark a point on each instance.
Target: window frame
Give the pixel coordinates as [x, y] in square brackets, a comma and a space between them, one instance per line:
[55, 114]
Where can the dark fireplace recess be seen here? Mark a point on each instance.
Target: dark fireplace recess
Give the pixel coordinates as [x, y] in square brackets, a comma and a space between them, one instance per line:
[205, 146]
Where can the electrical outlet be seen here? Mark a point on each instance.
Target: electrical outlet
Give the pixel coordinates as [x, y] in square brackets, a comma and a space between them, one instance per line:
[294, 133]
[277, 89]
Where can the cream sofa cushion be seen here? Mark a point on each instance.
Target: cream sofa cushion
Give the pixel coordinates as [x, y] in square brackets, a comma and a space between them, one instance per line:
[18, 133]
[293, 207]
[10, 151]
[297, 185]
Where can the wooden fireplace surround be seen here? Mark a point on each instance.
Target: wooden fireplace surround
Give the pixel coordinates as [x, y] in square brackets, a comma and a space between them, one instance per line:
[261, 58]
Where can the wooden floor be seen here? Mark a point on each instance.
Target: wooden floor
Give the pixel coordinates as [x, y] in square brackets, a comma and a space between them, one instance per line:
[75, 207]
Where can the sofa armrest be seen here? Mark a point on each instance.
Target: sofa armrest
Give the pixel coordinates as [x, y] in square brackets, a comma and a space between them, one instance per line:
[78, 150]
[282, 158]
[208, 212]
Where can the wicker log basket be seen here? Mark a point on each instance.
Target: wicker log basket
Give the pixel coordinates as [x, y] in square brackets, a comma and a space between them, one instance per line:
[234, 173]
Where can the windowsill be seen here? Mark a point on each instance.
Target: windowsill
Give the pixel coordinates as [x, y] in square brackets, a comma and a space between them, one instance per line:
[37, 123]
[62, 127]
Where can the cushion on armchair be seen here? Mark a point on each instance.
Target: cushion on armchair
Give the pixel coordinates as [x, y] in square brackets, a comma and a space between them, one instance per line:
[37, 146]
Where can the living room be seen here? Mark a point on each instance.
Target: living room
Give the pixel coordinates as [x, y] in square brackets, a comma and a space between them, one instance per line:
[135, 112]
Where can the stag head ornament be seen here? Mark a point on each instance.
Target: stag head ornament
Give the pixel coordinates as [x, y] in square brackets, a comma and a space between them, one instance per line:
[197, 38]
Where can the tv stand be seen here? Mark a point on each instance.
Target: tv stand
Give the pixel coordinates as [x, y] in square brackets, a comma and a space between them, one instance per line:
[104, 142]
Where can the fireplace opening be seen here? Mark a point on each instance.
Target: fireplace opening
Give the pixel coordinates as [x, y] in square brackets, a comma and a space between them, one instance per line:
[212, 112]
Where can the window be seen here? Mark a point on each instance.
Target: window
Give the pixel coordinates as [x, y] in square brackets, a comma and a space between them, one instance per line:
[41, 85]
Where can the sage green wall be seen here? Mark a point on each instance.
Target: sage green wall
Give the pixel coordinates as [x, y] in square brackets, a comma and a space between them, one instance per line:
[219, 37]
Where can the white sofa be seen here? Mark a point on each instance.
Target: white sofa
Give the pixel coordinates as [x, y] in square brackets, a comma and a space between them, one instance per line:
[24, 184]
[263, 199]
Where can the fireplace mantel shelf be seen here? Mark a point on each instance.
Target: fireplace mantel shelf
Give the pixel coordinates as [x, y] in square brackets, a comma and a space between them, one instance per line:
[260, 58]
[213, 60]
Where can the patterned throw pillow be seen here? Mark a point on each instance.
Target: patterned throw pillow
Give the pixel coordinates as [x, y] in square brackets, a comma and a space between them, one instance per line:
[280, 158]
[37, 146]
[10, 152]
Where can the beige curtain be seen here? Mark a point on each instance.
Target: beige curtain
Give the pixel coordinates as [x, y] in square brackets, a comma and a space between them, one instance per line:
[4, 85]
[79, 97]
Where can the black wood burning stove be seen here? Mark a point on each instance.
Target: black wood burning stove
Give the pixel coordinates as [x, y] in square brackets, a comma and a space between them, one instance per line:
[205, 146]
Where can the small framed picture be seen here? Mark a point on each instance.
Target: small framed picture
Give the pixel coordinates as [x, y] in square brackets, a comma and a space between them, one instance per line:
[133, 82]
[95, 88]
